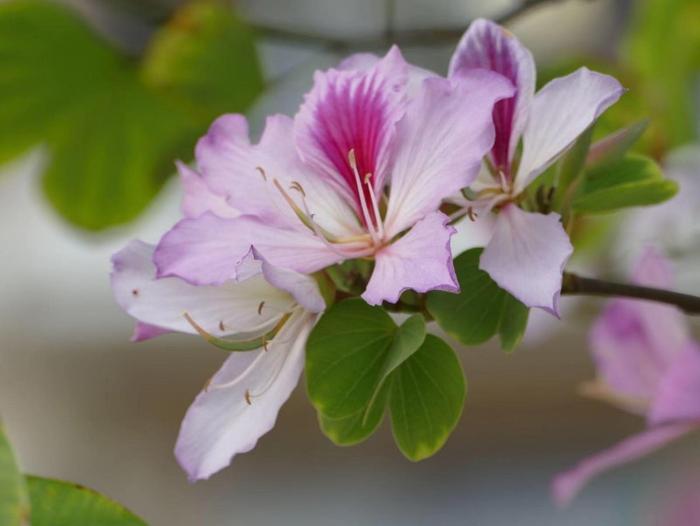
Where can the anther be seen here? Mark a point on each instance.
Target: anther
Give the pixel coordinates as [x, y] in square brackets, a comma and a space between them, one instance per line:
[135, 292]
[247, 397]
[297, 186]
[222, 328]
[471, 214]
[260, 307]
[262, 172]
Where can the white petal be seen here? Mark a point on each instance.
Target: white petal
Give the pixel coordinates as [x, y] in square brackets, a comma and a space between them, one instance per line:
[560, 112]
[242, 401]
[163, 302]
[526, 256]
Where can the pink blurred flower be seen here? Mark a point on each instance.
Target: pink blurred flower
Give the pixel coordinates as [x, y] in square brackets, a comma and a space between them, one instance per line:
[647, 364]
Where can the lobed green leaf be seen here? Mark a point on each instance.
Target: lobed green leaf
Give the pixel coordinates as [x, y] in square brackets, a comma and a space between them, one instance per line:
[481, 310]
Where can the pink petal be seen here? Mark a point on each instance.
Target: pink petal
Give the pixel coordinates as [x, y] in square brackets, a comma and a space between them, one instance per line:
[304, 289]
[440, 143]
[421, 260]
[144, 331]
[353, 110]
[567, 485]
[527, 255]
[678, 395]
[199, 198]
[160, 304]
[365, 61]
[249, 174]
[560, 112]
[210, 250]
[489, 46]
[635, 342]
[241, 402]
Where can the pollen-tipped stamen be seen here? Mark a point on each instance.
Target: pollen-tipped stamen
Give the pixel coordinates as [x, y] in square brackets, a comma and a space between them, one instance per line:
[352, 160]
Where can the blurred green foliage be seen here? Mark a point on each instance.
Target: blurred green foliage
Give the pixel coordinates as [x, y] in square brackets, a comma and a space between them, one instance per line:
[45, 502]
[112, 124]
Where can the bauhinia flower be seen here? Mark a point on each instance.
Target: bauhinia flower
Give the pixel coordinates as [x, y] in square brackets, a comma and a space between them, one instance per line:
[270, 312]
[314, 191]
[647, 364]
[527, 251]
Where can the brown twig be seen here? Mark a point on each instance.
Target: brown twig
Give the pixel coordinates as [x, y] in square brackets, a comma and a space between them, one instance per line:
[574, 284]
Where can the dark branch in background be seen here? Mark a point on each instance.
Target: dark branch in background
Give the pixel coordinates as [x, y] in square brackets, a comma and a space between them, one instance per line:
[574, 284]
[405, 38]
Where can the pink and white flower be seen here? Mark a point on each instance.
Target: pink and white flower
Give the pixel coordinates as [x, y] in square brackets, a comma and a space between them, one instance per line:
[526, 251]
[647, 364]
[314, 190]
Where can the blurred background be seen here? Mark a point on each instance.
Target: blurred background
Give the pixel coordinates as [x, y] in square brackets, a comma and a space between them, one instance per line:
[97, 98]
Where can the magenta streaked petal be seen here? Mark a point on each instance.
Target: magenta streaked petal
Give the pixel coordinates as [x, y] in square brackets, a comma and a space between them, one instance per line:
[248, 175]
[489, 46]
[144, 331]
[526, 256]
[559, 113]
[198, 198]
[228, 309]
[421, 260]
[242, 401]
[567, 485]
[440, 143]
[353, 110]
[677, 398]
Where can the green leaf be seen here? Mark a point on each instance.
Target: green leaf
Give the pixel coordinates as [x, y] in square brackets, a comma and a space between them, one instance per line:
[351, 352]
[357, 427]
[57, 503]
[617, 144]
[427, 398]
[481, 310]
[633, 180]
[206, 58]
[570, 169]
[111, 141]
[50, 63]
[14, 502]
[116, 155]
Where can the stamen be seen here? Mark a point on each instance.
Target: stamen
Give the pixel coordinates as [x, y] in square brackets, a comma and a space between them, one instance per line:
[247, 397]
[296, 186]
[471, 214]
[237, 345]
[262, 172]
[375, 205]
[361, 194]
[260, 307]
[222, 328]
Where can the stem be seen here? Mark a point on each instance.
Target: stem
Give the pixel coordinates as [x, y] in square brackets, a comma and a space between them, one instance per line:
[574, 284]
[413, 37]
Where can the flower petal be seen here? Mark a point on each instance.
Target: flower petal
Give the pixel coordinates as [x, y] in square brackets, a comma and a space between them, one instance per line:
[473, 233]
[635, 342]
[232, 308]
[678, 394]
[567, 485]
[249, 175]
[353, 110]
[440, 143]
[489, 46]
[242, 401]
[421, 260]
[210, 250]
[144, 331]
[304, 289]
[199, 198]
[560, 112]
[527, 255]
